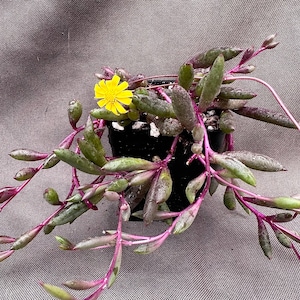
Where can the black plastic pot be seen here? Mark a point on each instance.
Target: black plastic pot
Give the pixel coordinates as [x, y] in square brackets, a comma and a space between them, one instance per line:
[139, 143]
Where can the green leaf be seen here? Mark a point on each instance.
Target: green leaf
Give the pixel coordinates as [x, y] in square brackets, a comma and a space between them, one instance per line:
[183, 107]
[234, 166]
[229, 199]
[256, 161]
[77, 161]
[186, 219]
[57, 292]
[186, 76]
[206, 59]
[266, 115]
[263, 237]
[212, 83]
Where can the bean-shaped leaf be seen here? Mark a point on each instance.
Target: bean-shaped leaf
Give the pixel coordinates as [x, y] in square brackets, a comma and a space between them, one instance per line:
[26, 238]
[103, 113]
[80, 285]
[57, 292]
[229, 199]
[183, 107]
[206, 59]
[96, 242]
[256, 161]
[128, 164]
[27, 155]
[74, 112]
[186, 219]
[226, 122]
[25, 173]
[212, 83]
[153, 105]
[229, 92]
[282, 238]
[163, 186]
[263, 237]
[77, 161]
[235, 167]
[186, 76]
[194, 186]
[266, 115]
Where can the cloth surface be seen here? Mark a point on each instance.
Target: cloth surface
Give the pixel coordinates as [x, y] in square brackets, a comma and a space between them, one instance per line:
[49, 51]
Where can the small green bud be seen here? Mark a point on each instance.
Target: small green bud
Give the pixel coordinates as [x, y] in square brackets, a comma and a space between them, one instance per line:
[64, 244]
[186, 76]
[51, 196]
[74, 112]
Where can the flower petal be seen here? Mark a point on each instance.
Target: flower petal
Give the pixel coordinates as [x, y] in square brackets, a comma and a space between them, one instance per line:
[122, 86]
[113, 83]
[120, 108]
[125, 101]
[111, 107]
[125, 94]
[102, 102]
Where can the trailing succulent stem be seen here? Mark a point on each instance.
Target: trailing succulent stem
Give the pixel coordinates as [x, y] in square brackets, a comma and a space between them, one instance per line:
[185, 109]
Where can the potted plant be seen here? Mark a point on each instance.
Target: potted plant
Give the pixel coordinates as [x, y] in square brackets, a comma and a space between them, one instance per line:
[159, 127]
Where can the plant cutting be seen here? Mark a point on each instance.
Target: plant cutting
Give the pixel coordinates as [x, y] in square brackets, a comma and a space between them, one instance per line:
[174, 124]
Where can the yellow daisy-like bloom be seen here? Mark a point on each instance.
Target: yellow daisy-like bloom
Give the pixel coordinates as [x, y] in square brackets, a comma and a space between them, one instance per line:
[112, 95]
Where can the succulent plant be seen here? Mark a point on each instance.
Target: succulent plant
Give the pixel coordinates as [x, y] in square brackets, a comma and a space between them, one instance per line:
[198, 100]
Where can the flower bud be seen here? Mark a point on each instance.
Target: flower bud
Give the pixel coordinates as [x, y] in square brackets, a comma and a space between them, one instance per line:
[247, 55]
[269, 40]
[51, 196]
[74, 112]
[186, 76]
[64, 244]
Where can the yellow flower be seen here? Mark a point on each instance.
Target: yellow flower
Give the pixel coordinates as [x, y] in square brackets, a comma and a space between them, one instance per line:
[112, 95]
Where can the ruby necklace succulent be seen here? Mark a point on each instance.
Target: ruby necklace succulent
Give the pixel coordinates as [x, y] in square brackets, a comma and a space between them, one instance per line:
[196, 101]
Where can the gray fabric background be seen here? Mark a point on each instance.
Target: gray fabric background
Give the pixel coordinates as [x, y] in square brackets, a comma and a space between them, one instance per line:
[49, 51]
